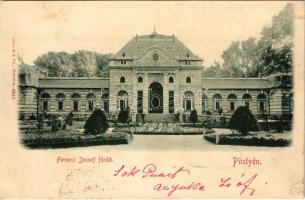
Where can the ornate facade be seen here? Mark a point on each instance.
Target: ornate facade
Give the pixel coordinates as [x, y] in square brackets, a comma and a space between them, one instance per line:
[153, 74]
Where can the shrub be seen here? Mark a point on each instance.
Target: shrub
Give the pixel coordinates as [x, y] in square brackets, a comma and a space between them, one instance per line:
[123, 116]
[193, 116]
[96, 123]
[21, 117]
[177, 115]
[32, 117]
[243, 120]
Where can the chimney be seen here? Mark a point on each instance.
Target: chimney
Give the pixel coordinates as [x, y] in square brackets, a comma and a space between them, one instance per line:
[136, 37]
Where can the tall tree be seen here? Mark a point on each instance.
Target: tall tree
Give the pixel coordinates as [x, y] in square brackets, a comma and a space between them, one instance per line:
[272, 53]
[55, 63]
[102, 62]
[83, 63]
[276, 44]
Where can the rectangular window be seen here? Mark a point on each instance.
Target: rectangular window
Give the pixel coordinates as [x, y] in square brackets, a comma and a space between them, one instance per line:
[203, 105]
[261, 106]
[60, 105]
[188, 104]
[75, 105]
[106, 106]
[232, 106]
[286, 103]
[217, 105]
[171, 102]
[247, 104]
[90, 105]
[140, 102]
[122, 104]
[45, 105]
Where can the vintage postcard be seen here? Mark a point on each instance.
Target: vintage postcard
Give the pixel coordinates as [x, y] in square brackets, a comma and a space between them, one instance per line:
[144, 99]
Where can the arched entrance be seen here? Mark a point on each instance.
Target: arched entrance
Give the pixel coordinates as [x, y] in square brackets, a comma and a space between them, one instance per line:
[155, 100]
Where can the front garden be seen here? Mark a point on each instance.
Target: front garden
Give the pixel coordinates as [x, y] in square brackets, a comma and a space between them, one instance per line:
[245, 130]
[50, 131]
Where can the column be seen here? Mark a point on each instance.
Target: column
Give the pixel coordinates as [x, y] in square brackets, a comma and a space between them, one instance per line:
[145, 94]
[198, 100]
[165, 94]
[134, 91]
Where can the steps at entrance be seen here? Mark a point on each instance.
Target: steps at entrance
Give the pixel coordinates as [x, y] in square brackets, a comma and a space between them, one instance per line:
[159, 117]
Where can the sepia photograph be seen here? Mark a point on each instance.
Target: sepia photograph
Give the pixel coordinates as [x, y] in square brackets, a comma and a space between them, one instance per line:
[152, 99]
[156, 88]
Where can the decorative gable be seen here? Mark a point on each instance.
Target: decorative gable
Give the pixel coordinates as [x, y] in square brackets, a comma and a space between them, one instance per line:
[155, 56]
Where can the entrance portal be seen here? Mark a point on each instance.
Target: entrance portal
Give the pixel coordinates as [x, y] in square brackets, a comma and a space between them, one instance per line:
[155, 100]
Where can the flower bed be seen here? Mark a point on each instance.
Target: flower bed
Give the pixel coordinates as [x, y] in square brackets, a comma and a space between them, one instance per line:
[71, 138]
[162, 129]
[254, 139]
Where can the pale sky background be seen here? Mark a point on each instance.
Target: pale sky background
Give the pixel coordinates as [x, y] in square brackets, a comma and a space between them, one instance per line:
[207, 28]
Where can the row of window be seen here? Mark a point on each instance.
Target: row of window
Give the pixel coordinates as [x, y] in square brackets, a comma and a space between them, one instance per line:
[75, 98]
[188, 101]
[232, 98]
[75, 105]
[217, 105]
[170, 79]
[156, 58]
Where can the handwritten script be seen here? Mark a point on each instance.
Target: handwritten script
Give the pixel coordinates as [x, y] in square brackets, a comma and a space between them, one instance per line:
[151, 171]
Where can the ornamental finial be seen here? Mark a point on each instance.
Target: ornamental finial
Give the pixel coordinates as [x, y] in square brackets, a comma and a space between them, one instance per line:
[154, 32]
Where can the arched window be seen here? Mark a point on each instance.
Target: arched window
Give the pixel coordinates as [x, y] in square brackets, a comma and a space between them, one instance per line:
[261, 103]
[188, 101]
[75, 99]
[217, 101]
[122, 79]
[232, 98]
[90, 101]
[188, 79]
[140, 79]
[45, 97]
[247, 100]
[60, 97]
[122, 101]
[204, 102]
[171, 79]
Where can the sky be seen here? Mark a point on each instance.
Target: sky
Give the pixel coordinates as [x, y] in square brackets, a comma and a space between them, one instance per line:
[206, 28]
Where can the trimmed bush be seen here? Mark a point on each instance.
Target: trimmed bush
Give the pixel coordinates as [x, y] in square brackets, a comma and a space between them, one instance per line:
[243, 120]
[123, 116]
[193, 116]
[96, 123]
